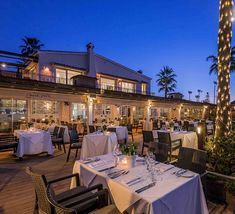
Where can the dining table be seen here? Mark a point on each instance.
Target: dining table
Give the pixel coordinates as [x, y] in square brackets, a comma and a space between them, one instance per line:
[121, 132]
[189, 138]
[33, 141]
[98, 143]
[133, 191]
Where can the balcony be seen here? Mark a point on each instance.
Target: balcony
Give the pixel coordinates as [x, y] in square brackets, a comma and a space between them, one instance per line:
[64, 81]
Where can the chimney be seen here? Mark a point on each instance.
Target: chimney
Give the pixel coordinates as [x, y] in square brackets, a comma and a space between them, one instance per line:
[91, 60]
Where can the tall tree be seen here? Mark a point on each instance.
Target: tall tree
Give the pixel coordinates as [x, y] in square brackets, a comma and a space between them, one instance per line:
[214, 62]
[189, 94]
[223, 113]
[166, 80]
[30, 46]
[199, 94]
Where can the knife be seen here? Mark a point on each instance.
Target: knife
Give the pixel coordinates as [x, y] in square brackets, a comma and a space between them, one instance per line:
[181, 173]
[169, 169]
[145, 187]
[133, 180]
[102, 170]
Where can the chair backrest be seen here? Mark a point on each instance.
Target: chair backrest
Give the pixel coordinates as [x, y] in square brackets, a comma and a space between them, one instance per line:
[129, 128]
[74, 136]
[164, 137]
[155, 124]
[6, 138]
[192, 159]
[61, 132]
[161, 152]
[186, 125]
[40, 184]
[58, 209]
[91, 128]
[148, 136]
[74, 126]
[191, 128]
[55, 132]
[110, 129]
[104, 127]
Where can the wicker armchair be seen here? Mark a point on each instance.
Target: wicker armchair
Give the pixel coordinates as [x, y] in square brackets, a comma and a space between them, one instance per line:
[130, 131]
[91, 128]
[192, 159]
[165, 137]
[74, 143]
[65, 198]
[161, 152]
[148, 140]
[7, 142]
[59, 140]
[101, 198]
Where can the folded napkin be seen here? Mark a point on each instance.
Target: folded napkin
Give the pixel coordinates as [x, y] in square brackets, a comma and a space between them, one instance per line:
[101, 165]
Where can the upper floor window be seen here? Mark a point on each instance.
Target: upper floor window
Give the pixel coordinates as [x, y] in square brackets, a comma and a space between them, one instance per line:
[65, 76]
[107, 84]
[143, 88]
[128, 87]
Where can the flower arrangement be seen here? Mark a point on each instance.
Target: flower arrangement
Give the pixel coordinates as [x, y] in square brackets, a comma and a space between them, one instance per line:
[129, 150]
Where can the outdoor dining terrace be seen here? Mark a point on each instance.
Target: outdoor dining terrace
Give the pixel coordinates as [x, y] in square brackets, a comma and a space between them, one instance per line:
[166, 167]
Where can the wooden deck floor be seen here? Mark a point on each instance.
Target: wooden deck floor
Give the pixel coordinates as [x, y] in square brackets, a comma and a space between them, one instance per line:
[16, 189]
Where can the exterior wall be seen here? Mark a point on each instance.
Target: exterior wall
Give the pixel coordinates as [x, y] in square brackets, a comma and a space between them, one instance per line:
[71, 59]
[111, 68]
[93, 63]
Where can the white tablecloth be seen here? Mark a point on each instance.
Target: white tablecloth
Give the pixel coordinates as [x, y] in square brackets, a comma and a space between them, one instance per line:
[171, 194]
[98, 144]
[189, 139]
[33, 142]
[121, 132]
[66, 132]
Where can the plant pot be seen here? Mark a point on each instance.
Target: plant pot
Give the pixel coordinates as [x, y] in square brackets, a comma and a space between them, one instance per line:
[129, 161]
[215, 189]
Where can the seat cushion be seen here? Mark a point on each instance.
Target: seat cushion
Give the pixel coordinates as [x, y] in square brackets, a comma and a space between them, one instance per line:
[111, 209]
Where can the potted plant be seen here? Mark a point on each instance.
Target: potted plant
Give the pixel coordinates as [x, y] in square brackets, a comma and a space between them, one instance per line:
[221, 160]
[129, 152]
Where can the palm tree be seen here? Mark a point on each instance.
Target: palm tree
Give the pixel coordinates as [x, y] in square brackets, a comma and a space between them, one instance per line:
[189, 94]
[166, 80]
[197, 98]
[30, 46]
[199, 93]
[214, 62]
[223, 113]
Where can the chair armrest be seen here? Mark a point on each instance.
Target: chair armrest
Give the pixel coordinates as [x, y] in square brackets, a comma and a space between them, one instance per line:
[177, 140]
[66, 177]
[101, 195]
[97, 187]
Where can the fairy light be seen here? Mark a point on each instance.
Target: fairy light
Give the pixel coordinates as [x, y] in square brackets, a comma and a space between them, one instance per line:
[223, 112]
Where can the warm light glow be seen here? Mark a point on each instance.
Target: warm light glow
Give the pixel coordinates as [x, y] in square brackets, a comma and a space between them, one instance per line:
[3, 65]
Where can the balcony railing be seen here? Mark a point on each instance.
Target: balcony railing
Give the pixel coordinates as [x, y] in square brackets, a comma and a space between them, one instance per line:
[59, 80]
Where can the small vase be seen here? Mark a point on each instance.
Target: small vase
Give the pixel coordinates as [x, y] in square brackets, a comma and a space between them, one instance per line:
[129, 161]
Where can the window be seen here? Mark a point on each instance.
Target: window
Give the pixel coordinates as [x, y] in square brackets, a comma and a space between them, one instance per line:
[107, 84]
[143, 88]
[12, 113]
[78, 111]
[128, 87]
[60, 76]
[72, 74]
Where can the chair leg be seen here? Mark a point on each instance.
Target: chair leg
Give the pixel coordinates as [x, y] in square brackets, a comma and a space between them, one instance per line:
[132, 137]
[142, 152]
[64, 148]
[76, 153]
[68, 154]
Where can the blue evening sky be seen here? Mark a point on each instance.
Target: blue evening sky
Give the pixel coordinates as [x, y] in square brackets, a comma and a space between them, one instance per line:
[140, 34]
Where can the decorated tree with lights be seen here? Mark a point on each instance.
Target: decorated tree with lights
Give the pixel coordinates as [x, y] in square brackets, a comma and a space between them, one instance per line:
[223, 113]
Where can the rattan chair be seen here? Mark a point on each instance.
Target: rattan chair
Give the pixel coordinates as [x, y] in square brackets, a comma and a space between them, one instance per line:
[148, 140]
[8, 142]
[192, 159]
[161, 152]
[91, 128]
[55, 131]
[59, 140]
[100, 197]
[165, 137]
[130, 131]
[65, 198]
[111, 129]
[74, 143]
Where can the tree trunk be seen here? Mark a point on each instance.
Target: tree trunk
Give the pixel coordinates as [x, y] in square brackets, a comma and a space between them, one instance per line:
[223, 115]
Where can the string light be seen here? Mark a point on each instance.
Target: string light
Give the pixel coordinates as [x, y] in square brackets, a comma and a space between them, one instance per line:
[223, 118]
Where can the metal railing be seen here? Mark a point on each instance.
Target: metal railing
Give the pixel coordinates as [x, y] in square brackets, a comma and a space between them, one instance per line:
[59, 80]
